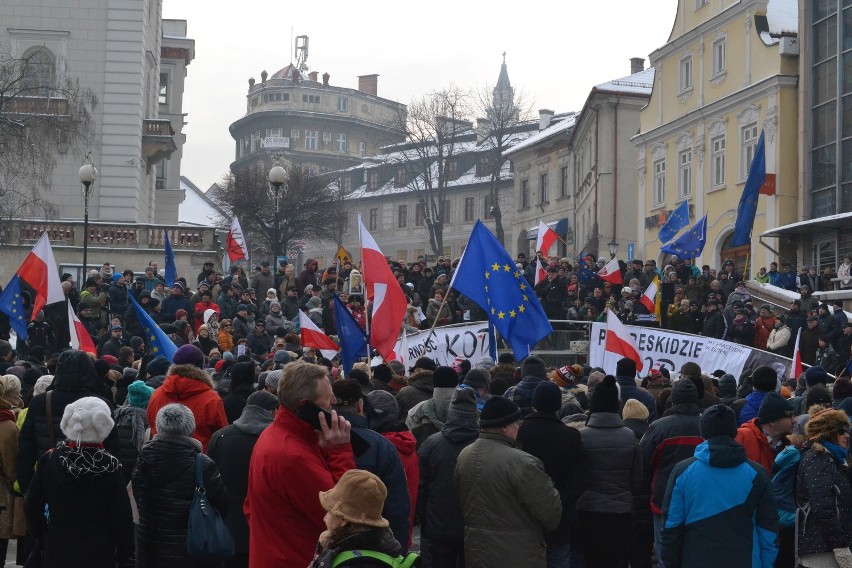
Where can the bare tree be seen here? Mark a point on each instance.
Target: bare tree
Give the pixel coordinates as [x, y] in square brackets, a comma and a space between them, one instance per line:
[310, 207]
[434, 127]
[501, 115]
[44, 114]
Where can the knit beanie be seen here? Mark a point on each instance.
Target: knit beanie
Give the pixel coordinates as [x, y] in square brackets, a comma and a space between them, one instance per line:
[477, 378]
[625, 368]
[485, 363]
[498, 411]
[773, 407]
[718, 420]
[272, 379]
[506, 358]
[189, 355]
[842, 389]
[242, 374]
[463, 406]
[138, 394]
[764, 379]
[175, 419]
[382, 373]
[547, 397]
[445, 377]
[382, 410]
[397, 367]
[635, 409]
[281, 357]
[605, 397]
[87, 420]
[816, 375]
[690, 369]
[264, 399]
[684, 392]
[533, 367]
[347, 392]
[727, 387]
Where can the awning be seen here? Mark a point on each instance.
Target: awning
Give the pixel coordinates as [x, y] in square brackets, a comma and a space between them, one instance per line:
[560, 227]
[841, 221]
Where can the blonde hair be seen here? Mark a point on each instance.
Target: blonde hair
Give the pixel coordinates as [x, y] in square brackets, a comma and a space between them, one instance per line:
[634, 409]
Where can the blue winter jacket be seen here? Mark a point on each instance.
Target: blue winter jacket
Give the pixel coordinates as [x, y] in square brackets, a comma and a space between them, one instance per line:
[719, 510]
[784, 484]
[751, 408]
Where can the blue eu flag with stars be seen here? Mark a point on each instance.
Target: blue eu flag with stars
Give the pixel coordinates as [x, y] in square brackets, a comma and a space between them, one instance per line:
[353, 340]
[691, 243]
[487, 275]
[584, 273]
[676, 221]
[171, 269]
[11, 305]
[156, 339]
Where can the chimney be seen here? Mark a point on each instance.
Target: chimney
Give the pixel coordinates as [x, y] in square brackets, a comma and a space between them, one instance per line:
[637, 65]
[368, 84]
[313, 76]
[263, 76]
[325, 78]
[544, 118]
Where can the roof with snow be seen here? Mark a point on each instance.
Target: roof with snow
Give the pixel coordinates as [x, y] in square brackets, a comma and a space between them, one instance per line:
[552, 131]
[197, 209]
[783, 17]
[639, 83]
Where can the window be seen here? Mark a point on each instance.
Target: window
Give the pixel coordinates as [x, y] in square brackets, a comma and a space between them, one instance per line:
[346, 183]
[525, 194]
[659, 182]
[684, 180]
[270, 132]
[160, 174]
[402, 216]
[419, 217]
[362, 149]
[563, 182]
[686, 74]
[341, 146]
[483, 167]
[542, 185]
[452, 169]
[373, 180]
[312, 99]
[400, 179]
[374, 218]
[446, 219]
[469, 212]
[719, 54]
[163, 95]
[276, 97]
[39, 69]
[748, 145]
[701, 3]
[489, 207]
[343, 104]
[718, 161]
[311, 139]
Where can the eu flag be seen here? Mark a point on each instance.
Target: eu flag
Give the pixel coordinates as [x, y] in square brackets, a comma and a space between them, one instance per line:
[353, 340]
[584, 273]
[171, 269]
[10, 304]
[691, 243]
[156, 339]
[676, 221]
[747, 208]
[487, 275]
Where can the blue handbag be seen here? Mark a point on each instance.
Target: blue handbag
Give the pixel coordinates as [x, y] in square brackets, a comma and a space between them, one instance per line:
[207, 537]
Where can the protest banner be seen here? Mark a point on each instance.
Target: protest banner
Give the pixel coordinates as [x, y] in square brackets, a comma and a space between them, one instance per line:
[668, 349]
[469, 341]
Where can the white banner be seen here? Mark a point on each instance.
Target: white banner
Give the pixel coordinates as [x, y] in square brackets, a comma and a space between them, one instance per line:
[660, 348]
[469, 341]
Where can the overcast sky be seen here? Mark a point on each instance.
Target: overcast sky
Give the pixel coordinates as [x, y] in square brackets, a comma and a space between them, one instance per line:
[555, 52]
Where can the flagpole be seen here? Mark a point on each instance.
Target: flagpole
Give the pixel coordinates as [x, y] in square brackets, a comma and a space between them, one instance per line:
[432, 329]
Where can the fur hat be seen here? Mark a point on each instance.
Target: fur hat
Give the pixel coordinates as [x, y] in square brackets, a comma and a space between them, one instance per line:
[87, 420]
[189, 355]
[625, 367]
[42, 383]
[358, 497]
[718, 420]
[605, 397]
[445, 377]
[547, 397]
[382, 410]
[498, 411]
[635, 409]
[823, 425]
[533, 367]
[175, 419]
[138, 394]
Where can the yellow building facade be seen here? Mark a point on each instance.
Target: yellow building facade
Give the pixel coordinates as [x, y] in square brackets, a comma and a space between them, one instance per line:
[721, 80]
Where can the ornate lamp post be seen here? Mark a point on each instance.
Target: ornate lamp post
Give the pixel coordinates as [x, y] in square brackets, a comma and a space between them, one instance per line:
[613, 248]
[88, 173]
[277, 178]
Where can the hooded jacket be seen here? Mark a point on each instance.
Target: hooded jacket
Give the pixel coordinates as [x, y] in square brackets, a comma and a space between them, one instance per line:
[231, 449]
[750, 407]
[419, 389]
[242, 385]
[823, 487]
[406, 447]
[727, 389]
[192, 387]
[719, 510]
[429, 416]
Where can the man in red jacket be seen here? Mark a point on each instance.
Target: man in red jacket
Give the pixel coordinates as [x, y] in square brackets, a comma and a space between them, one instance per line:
[292, 462]
[763, 437]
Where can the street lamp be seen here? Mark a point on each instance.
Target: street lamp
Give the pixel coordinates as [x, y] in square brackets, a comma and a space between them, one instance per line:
[277, 177]
[88, 173]
[613, 248]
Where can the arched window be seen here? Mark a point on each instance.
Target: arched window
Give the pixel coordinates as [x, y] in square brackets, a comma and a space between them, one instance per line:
[39, 69]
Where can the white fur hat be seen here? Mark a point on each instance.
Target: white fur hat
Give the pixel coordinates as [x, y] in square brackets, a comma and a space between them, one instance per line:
[87, 420]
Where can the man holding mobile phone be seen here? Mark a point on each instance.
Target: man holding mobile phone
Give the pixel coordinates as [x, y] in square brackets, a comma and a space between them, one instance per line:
[304, 451]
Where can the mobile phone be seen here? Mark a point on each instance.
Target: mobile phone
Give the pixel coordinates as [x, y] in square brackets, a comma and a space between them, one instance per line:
[309, 412]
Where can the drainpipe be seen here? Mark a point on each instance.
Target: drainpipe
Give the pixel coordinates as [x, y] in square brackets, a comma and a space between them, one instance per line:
[615, 172]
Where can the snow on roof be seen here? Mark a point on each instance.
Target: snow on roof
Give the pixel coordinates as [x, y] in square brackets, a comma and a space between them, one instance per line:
[196, 208]
[560, 127]
[783, 17]
[469, 177]
[639, 83]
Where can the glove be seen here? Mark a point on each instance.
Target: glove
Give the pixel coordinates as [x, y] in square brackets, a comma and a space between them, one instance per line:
[843, 556]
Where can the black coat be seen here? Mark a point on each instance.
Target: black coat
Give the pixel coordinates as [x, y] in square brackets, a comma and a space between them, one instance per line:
[231, 449]
[130, 426]
[561, 451]
[164, 485]
[91, 525]
[823, 484]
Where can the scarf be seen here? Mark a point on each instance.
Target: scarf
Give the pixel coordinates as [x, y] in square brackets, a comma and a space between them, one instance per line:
[85, 459]
[840, 454]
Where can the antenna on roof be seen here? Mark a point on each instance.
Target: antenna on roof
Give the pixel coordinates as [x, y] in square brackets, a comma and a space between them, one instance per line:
[302, 53]
[291, 43]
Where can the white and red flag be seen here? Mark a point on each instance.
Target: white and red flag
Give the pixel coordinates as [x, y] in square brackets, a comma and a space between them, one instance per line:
[611, 272]
[235, 242]
[649, 298]
[39, 271]
[797, 358]
[80, 338]
[315, 338]
[387, 298]
[545, 239]
[540, 272]
[619, 340]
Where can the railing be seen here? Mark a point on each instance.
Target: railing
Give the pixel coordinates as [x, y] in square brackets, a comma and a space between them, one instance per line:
[180, 237]
[158, 127]
[125, 235]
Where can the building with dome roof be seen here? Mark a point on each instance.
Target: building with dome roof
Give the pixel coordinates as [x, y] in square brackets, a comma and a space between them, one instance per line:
[310, 122]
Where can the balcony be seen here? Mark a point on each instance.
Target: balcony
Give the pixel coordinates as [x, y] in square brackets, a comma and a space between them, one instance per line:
[158, 141]
[113, 235]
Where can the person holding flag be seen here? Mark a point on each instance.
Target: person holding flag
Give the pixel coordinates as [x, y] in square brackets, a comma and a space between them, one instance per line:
[611, 272]
[235, 242]
[651, 297]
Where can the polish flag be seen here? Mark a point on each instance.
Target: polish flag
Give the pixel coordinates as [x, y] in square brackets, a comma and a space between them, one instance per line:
[315, 338]
[546, 238]
[797, 358]
[387, 298]
[611, 272]
[540, 272]
[619, 341]
[649, 298]
[80, 338]
[39, 271]
[236, 242]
